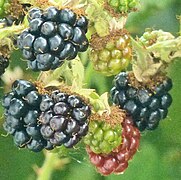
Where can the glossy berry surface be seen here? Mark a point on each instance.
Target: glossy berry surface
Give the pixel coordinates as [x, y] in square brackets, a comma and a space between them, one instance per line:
[112, 57]
[64, 119]
[147, 106]
[58, 33]
[116, 161]
[22, 111]
[102, 138]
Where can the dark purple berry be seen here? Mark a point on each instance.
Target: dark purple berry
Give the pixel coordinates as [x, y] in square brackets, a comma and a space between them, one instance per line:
[82, 22]
[13, 122]
[67, 16]
[7, 99]
[46, 104]
[21, 138]
[28, 42]
[58, 123]
[33, 98]
[48, 28]
[51, 14]
[8, 129]
[72, 141]
[31, 117]
[61, 108]
[35, 25]
[166, 101]
[69, 52]
[79, 37]
[34, 132]
[28, 54]
[17, 108]
[34, 13]
[72, 127]
[40, 45]
[36, 145]
[45, 117]
[131, 107]
[56, 43]
[45, 58]
[46, 131]
[65, 31]
[60, 138]
[143, 97]
[74, 101]
[22, 87]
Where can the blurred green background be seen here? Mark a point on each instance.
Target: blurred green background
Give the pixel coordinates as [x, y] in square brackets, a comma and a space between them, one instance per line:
[159, 155]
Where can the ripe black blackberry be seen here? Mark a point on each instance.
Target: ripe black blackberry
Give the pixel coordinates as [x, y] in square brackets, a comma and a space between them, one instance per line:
[21, 116]
[147, 104]
[4, 63]
[52, 37]
[64, 119]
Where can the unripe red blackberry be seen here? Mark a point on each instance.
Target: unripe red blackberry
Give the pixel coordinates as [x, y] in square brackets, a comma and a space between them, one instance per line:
[21, 115]
[53, 36]
[146, 103]
[64, 119]
[111, 54]
[104, 133]
[116, 161]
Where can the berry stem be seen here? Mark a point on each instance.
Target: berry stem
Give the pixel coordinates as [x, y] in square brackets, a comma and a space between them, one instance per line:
[51, 162]
[166, 47]
[12, 30]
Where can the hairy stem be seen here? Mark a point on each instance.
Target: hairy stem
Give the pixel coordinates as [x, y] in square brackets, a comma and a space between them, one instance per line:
[51, 163]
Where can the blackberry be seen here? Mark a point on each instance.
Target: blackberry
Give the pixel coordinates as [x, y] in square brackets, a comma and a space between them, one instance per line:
[4, 63]
[105, 131]
[22, 111]
[117, 160]
[102, 139]
[53, 36]
[147, 104]
[64, 119]
[111, 54]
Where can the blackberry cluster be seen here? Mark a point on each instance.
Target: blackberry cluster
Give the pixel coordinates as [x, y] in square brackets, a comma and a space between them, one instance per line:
[52, 37]
[113, 56]
[4, 63]
[102, 138]
[64, 119]
[21, 116]
[146, 105]
[117, 161]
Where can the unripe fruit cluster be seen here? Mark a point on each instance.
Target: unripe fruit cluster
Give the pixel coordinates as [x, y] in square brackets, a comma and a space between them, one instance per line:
[117, 161]
[113, 56]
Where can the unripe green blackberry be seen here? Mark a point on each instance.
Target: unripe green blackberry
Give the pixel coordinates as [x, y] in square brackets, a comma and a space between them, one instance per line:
[103, 137]
[150, 37]
[116, 161]
[111, 54]
[122, 6]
